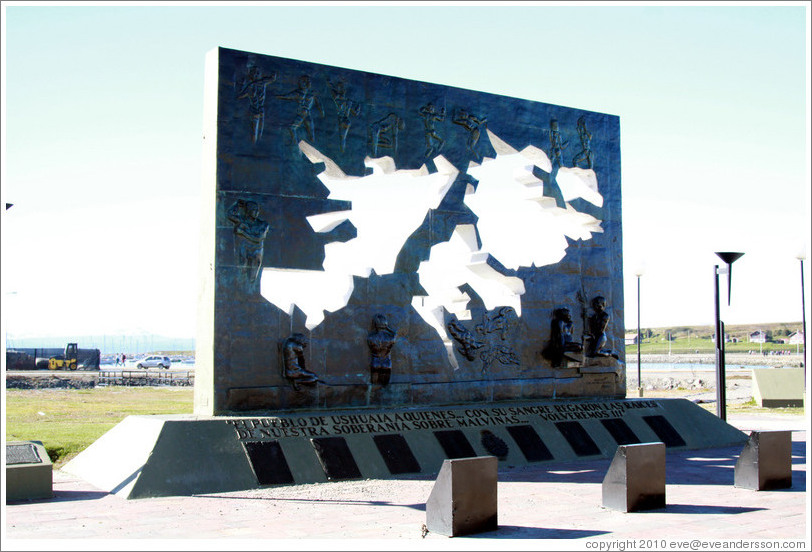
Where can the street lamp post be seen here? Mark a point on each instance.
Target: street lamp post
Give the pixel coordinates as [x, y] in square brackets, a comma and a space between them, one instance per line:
[801, 258]
[721, 400]
[639, 338]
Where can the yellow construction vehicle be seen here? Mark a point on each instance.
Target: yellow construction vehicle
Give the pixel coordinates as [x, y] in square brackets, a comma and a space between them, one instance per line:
[69, 360]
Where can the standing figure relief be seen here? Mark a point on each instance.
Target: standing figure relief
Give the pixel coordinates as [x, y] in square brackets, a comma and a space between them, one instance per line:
[345, 107]
[252, 87]
[474, 124]
[306, 101]
[250, 232]
[432, 115]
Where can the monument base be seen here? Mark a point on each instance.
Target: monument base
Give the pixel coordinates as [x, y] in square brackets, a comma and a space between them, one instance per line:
[29, 472]
[182, 455]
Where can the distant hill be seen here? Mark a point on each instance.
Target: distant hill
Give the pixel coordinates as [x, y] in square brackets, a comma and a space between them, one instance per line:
[109, 344]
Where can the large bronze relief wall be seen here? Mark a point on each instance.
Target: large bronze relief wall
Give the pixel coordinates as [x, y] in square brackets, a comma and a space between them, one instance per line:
[385, 242]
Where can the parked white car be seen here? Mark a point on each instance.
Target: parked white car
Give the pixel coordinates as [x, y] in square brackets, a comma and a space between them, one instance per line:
[154, 361]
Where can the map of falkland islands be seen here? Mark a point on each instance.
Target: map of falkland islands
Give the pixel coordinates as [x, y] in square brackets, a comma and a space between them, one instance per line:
[517, 225]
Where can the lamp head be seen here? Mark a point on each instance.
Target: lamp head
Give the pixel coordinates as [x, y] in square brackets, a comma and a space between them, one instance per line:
[729, 258]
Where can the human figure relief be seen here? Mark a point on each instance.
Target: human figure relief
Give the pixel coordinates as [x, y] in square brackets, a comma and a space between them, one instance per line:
[585, 155]
[474, 125]
[294, 359]
[252, 88]
[468, 344]
[346, 108]
[306, 100]
[561, 345]
[384, 133]
[380, 342]
[597, 323]
[432, 115]
[557, 145]
[250, 232]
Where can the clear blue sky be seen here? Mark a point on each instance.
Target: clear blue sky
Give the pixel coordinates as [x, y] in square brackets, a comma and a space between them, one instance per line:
[102, 120]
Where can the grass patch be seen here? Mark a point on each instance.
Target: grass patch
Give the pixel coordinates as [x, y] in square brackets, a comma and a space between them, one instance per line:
[68, 420]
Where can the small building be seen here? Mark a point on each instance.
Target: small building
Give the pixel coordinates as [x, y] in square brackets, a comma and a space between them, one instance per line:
[758, 336]
[796, 338]
[631, 339]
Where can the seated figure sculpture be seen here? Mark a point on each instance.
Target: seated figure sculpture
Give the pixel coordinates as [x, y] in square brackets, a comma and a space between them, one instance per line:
[293, 356]
[597, 323]
[561, 346]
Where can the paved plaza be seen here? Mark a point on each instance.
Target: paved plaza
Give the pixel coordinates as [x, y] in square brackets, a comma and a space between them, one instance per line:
[559, 501]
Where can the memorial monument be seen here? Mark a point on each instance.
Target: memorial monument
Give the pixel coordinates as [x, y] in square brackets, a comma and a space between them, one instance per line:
[395, 273]
[468, 221]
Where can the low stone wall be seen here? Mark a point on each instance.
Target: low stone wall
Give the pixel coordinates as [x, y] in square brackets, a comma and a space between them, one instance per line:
[50, 382]
[738, 359]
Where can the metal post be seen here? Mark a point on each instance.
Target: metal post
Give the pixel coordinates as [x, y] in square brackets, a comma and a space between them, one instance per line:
[803, 314]
[721, 409]
[639, 343]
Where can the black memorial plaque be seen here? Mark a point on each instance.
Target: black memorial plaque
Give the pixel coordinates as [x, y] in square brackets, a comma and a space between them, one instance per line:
[621, 432]
[22, 454]
[665, 431]
[396, 453]
[530, 443]
[580, 441]
[269, 463]
[336, 458]
[455, 444]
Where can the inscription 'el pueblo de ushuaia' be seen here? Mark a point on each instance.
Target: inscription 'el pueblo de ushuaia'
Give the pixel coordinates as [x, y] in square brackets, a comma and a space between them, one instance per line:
[347, 424]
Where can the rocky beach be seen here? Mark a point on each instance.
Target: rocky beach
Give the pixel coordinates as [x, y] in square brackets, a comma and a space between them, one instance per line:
[695, 379]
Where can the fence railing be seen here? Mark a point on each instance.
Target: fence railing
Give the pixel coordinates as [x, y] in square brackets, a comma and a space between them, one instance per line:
[145, 377]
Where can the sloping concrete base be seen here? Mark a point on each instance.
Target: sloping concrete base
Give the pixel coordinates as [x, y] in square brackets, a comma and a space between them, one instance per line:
[150, 456]
[778, 387]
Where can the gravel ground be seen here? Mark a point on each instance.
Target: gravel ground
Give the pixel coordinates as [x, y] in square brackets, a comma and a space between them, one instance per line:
[731, 359]
[698, 385]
